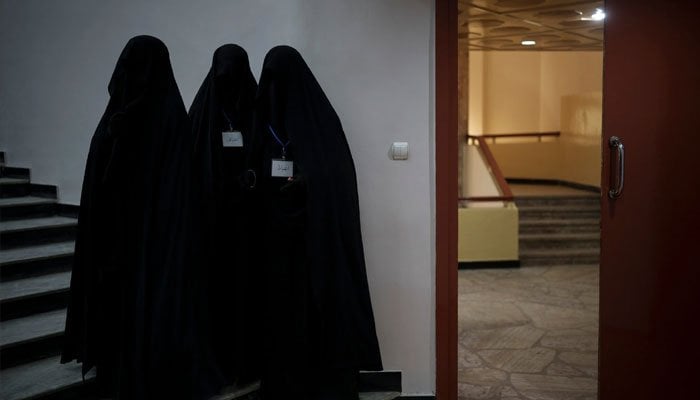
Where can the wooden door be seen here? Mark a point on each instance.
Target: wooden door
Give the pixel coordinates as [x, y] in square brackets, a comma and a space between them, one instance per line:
[650, 251]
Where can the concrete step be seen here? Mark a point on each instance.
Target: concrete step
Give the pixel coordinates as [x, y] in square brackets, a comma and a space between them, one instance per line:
[559, 241]
[14, 172]
[37, 231]
[22, 187]
[13, 181]
[44, 379]
[524, 201]
[13, 208]
[47, 378]
[61, 262]
[31, 338]
[526, 213]
[24, 297]
[542, 257]
[379, 395]
[367, 382]
[35, 253]
[559, 225]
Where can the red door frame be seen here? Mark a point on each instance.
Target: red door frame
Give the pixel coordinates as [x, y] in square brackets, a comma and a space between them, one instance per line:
[446, 198]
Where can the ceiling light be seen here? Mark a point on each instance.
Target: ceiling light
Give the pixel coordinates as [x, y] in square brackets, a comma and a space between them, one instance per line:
[598, 15]
[528, 43]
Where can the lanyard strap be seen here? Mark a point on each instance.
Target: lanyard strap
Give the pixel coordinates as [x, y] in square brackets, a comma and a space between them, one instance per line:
[230, 124]
[279, 141]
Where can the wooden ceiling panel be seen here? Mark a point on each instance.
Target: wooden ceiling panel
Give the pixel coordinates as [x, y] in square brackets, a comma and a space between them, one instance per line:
[555, 25]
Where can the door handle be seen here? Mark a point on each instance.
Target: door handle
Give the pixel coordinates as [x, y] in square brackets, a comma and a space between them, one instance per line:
[616, 143]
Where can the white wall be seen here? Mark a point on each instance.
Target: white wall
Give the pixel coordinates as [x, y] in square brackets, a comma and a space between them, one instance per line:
[373, 58]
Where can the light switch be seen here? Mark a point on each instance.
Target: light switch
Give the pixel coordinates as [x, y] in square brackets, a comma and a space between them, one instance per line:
[399, 151]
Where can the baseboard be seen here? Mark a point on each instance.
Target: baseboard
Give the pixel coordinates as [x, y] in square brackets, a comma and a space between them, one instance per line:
[574, 185]
[427, 397]
[379, 381]
[488, 264]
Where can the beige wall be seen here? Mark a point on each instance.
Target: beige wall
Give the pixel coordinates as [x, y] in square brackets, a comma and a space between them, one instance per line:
[478, 181]
[514, 92]
[566, 73]
[574, 157]
[488, 234]
[581, 128]
[530, 160]
[521, 91]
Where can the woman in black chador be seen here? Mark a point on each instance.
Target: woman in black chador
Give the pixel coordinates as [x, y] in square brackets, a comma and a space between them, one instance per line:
[131, 313]
[319, 327]
[221, 115]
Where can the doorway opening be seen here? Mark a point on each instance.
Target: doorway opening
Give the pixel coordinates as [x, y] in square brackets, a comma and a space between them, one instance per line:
[529, 129]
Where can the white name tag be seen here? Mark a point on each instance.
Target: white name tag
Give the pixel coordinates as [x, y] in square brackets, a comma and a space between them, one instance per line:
[232, 139]
[282, 168]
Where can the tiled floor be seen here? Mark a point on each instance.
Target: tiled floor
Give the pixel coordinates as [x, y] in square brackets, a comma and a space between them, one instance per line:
[528, 333]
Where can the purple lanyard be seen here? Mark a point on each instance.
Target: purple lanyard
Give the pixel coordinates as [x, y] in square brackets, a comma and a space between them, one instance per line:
[282, 144]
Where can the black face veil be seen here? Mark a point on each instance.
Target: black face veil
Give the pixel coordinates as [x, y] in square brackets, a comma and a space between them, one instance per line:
[315, 258]
[130, 312]
[224, 106]
[224, 102]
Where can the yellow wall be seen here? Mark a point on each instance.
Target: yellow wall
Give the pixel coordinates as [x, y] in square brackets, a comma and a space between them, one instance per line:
[512, 91]
[574, 157]
[529, 159]
[488, 234]
[581, 127]
[478, 181]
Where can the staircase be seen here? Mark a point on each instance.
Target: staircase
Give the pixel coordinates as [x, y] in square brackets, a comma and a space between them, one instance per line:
[36, 251]
[37, 237]
[559, 230]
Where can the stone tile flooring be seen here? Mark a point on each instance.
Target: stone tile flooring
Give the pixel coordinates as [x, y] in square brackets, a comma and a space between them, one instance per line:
[529, 333]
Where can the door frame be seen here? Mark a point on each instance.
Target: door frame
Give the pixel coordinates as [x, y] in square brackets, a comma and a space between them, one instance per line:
[446, 193]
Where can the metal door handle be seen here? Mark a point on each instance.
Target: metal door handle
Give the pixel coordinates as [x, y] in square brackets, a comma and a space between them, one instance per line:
[616, 143]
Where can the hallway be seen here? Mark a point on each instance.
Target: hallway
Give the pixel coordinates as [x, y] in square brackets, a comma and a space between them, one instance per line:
[529, 333]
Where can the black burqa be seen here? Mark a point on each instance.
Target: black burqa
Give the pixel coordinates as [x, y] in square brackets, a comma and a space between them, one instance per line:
[224, 103]
[131, 312]
[320, 327]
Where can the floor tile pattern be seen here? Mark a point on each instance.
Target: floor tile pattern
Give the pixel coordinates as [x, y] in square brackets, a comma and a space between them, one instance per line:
[529, 333]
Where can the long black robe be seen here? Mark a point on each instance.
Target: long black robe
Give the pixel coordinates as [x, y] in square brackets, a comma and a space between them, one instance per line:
[320, 327]
[131, 312]
[225, 102]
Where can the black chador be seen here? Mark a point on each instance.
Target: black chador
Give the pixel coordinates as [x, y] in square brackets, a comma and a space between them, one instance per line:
[131, 313]
[319, 326]
[221, 115]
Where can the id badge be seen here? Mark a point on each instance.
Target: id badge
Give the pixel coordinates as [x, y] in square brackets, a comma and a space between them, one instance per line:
[232, 138]
[282, 168]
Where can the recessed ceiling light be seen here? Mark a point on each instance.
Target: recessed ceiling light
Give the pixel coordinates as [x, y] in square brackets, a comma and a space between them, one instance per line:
[598, 15]
[528, 43]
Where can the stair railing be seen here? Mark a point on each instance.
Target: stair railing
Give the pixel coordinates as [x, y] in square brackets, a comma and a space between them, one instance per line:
[538, 135]
[496, 173]
[482, 142]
